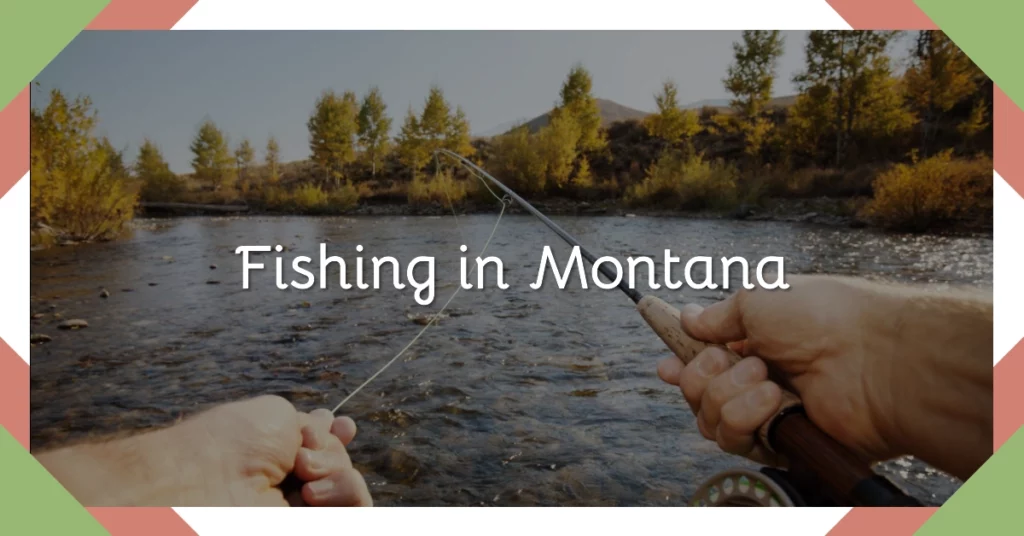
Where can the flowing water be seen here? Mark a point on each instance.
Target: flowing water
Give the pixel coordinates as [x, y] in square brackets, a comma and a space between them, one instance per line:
[520, 396]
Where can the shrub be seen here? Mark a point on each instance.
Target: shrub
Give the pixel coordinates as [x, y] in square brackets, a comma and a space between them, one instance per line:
[442, 189]
[686, 183]
[343, 198]
[309, 198]
[937, 191]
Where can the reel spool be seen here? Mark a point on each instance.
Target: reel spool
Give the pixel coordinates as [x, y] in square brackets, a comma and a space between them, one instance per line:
[745, 487]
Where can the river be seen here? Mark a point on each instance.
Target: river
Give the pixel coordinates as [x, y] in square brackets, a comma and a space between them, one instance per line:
[520, 397]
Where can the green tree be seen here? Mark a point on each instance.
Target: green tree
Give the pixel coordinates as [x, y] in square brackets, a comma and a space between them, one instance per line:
[750, 80]
[435, 121]
[245, 159]
[752, 73]
[211, 159]
[940, 77]
[458, 139]
[332, 129]
[78, 182]
[374, 125]
[671, 123]
[581, 105]
[159, 183]
[412, 151]
[557, 146]
[272, 159]
[849, 76]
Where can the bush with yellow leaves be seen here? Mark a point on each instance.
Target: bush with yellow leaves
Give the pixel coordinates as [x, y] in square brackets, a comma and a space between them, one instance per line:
[934, 192]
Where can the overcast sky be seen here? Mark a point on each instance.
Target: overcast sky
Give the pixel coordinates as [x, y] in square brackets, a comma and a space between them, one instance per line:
[161, 85]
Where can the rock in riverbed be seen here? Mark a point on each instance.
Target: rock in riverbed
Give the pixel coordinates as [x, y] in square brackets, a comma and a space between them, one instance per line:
[104, 293]
[424, 318]
[73, 323]
[39, 338]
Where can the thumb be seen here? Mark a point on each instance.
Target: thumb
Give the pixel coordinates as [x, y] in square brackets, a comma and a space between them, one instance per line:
[719, 323]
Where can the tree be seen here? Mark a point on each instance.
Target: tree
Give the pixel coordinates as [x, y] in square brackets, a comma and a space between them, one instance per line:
[671, 123]
[159, 183]
[78, 185]
[434, 124]
[272, 160]
[752, 74]
[557, 146]
[374, 125]
[940, 77]
[412, 150]
[750, 80]
[582, 107]
[516, 160]
[436, 128]
[245, 158]
[583, 177]
[211, 160]
[332, 129]
[848, 75]
[458, 139]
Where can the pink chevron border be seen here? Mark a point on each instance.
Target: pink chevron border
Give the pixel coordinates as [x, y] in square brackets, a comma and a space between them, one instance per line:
[1008, 120]
[14, 372]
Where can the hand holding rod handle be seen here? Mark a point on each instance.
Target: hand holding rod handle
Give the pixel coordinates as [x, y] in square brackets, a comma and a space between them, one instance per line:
[846, 477]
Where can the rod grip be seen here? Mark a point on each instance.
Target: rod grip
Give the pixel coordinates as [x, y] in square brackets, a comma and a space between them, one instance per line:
[789, 433]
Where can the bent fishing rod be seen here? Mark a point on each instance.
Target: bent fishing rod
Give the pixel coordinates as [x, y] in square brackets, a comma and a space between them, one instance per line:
[818, 464]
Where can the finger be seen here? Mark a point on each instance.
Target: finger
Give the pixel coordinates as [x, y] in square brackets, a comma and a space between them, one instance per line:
[345, 488]
[316, 430]
[669, 370]
[695, 377]
[726, 386]
[740, 347]
[344, 428]
[742, 416]
[703, 429]
[719, 323]
[316, 464]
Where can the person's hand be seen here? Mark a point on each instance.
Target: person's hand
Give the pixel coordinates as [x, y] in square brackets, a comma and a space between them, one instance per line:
[236, 454]
[324, 464]
[883, 371]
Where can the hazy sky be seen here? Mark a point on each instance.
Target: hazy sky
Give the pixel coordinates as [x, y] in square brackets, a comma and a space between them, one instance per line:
[162, 85]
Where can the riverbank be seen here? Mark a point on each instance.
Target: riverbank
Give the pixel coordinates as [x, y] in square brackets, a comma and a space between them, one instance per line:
[824, 211]
[840, 212]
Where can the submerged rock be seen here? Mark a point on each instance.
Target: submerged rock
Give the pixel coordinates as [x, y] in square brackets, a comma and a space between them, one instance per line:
[39, 338]
[424, 318]
[74, 323]
[104, 293]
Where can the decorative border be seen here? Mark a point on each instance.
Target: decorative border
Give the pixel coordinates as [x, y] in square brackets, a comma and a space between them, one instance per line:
[976, 502]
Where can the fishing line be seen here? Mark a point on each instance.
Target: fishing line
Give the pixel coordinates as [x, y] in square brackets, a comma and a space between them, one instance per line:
[505, 203]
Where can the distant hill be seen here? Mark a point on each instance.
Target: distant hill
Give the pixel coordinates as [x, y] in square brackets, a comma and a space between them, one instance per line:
[612, 111]
[715, 103]
[722, 105]
[500, 129]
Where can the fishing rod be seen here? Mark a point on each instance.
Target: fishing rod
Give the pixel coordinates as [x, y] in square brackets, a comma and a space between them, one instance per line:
[819, 466]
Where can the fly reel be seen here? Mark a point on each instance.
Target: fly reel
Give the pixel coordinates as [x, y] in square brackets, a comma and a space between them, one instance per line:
[746, 487]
